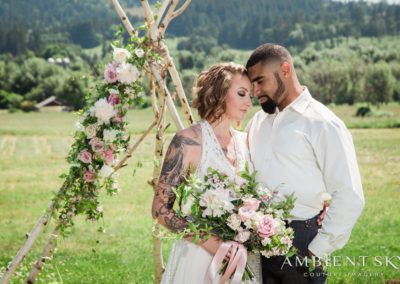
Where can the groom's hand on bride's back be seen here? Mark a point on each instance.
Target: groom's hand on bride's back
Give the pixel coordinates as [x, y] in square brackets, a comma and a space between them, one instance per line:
[322, 213]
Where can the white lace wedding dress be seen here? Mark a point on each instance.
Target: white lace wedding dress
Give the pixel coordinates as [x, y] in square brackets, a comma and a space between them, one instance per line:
[188, 262]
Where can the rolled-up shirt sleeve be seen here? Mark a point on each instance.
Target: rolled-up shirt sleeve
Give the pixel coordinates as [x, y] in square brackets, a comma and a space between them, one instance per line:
[335, 155]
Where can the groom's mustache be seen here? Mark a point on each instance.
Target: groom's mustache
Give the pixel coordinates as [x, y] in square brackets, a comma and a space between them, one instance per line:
[269, 106]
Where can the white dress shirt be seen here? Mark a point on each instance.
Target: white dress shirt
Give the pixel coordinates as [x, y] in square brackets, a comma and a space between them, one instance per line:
[307, 149]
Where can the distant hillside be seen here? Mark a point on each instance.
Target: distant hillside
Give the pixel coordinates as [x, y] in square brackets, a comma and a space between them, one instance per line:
[32, 24]
[292, 23]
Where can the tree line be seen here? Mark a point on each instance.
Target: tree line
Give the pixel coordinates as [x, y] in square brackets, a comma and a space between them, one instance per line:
[340, 70]
[32, 24]
[341, 50]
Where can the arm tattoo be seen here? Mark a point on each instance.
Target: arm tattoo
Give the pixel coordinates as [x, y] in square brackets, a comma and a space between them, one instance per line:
[173, 167]
[172, 174]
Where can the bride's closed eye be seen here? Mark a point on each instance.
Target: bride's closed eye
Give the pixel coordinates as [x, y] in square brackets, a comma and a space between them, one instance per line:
[242, 93]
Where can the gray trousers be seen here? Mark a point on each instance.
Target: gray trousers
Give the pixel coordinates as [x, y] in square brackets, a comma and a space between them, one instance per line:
[278, 270]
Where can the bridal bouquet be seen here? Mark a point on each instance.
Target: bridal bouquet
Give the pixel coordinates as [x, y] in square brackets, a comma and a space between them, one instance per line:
[247, 216]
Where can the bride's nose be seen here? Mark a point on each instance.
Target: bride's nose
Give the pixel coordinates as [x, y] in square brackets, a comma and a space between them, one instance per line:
[248, 101]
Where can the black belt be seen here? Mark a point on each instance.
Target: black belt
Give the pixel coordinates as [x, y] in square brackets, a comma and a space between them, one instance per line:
[304, 224]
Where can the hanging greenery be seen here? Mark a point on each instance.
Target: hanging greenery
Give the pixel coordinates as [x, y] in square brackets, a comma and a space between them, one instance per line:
[101, 136]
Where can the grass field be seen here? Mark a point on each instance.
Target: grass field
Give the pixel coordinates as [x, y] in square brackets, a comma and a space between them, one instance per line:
[32, 151]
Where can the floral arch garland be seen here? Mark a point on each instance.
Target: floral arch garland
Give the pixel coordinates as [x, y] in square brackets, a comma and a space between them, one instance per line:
[101, 136]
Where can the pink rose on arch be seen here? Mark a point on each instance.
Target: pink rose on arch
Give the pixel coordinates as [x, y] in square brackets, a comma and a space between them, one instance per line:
[85, 156]
[245, 213]
[89, 175]
[113, 98]
[251, 203]
[110, 73]
[118, 118]
[108, 156]
[97, 145]
[267, 227]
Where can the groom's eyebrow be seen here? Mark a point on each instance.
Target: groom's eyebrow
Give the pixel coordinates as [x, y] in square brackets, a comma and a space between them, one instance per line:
[257, 78]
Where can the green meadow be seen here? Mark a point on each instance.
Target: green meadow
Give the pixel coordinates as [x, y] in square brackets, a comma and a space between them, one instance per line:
[32, 151]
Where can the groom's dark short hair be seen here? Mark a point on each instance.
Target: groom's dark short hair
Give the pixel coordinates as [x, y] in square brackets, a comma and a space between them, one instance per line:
[268, 52]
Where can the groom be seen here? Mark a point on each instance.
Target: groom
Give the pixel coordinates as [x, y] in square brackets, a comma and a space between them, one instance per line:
[297, 141]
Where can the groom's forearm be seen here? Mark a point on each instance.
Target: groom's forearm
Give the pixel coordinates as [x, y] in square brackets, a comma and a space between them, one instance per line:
[338, 223]
[336, 157]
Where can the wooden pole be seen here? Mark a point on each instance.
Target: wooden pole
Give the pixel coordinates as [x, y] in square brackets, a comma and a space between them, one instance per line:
[46, 254]
[157, 40]
[170, 11]
[125, 21]
[33, 235]
[161, 11]
[159, 144]
[163, 90]
[171, 14]
[132, 148]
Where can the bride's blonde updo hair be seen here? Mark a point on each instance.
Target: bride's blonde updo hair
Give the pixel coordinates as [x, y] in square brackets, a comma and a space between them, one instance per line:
[211, 88]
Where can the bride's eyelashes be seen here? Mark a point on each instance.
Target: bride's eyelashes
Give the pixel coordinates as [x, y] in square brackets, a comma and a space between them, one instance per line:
[242, 93]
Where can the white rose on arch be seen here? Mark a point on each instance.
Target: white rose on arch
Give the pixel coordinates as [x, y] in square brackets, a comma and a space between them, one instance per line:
[139, 52]
[106, 171]
[127, 73]
[121, 55]
[109, 136]
[103, 111]
[91, 130]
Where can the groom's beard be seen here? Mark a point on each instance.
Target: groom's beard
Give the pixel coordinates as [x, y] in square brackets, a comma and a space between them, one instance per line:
[269, 106]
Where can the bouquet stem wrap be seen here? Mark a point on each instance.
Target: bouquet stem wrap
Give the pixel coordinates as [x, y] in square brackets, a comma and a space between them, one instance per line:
[237, 262]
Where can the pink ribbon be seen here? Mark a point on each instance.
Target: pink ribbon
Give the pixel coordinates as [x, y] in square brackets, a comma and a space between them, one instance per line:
[237, 263]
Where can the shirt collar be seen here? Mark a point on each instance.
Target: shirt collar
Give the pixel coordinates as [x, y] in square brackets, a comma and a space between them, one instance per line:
[302, 101]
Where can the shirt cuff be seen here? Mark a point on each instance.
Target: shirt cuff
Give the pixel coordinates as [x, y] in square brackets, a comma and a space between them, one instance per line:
[320, 247]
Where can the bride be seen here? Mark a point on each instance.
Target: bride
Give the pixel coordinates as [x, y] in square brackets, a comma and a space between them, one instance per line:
[223, 97]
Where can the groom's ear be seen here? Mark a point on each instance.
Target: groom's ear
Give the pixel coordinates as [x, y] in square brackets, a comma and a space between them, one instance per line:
[286, 69]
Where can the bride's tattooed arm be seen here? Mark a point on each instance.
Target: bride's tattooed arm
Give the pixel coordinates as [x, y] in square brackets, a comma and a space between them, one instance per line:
[173, 172]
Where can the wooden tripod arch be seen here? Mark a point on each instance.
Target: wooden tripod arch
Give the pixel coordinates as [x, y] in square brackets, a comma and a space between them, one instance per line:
[156, 25]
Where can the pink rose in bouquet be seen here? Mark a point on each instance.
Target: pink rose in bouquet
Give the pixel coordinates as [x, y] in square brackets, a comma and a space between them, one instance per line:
[251, 203]
[267, 226]
[245, 213]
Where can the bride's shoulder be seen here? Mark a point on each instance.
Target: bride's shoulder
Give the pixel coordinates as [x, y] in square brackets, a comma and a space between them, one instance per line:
[193, 132]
